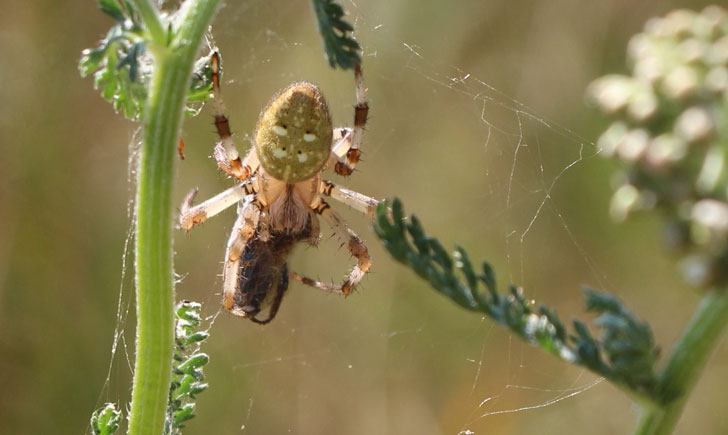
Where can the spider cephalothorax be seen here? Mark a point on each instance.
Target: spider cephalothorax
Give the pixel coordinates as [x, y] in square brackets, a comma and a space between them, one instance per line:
[279, 194]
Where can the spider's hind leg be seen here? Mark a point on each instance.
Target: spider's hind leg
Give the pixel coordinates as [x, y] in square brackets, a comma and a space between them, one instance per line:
[354, 244]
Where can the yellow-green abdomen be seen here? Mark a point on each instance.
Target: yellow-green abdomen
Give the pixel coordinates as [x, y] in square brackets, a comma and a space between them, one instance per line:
[294, 133]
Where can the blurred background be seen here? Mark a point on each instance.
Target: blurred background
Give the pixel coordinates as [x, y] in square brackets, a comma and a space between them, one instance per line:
[477, 122]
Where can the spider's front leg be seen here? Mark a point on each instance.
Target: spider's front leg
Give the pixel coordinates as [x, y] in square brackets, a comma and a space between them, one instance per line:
[343, 157]
[345, 152]
[226, 153]
[191, 216]
[353, 243]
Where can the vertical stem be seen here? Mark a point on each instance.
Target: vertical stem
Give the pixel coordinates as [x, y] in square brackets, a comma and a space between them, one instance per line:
[151, 19]
[686, 362]
[153, 254]
[154, 275]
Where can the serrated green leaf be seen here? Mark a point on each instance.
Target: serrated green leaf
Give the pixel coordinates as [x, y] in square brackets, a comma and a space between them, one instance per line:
[555, 321]
[185, 413]
[625, 354]
[341, 50]
[196, 337]
[333, 9]
[121, 87]
[197, 388]
[600, 301]
[131, 59]
[113, 9]
[439, 255]
[90, 60]
[105, 421]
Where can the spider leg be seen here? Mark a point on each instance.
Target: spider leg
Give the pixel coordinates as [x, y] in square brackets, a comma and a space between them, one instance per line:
[226, 153]
[357, 201]
[345, 152]
[191, 216]
[341, 139]
[353, 244]
[313, 239]
[243, 230]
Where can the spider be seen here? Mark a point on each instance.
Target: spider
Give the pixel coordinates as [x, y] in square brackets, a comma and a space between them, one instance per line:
[279, 194]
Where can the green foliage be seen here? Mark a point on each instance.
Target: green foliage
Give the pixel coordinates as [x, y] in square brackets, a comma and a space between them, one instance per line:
[187, 375]
[145, 67]
[627, 342]
[118, 63]
[341, 49]
[105, 421]
[624, 352]
[201, 85]
[122, 68]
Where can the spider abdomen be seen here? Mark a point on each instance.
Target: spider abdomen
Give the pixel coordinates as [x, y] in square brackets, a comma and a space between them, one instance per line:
[294, 133]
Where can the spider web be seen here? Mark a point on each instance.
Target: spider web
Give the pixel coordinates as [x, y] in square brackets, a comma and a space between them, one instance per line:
[478, 124]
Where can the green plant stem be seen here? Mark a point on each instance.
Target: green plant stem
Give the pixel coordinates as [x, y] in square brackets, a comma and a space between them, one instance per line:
[153, 254]
[686, 362]
[152, 20]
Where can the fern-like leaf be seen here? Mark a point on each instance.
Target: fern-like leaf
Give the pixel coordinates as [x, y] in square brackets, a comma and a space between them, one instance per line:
[341, 49]
[105, 421]
[187, 375]
[121, 66]
[624, 353]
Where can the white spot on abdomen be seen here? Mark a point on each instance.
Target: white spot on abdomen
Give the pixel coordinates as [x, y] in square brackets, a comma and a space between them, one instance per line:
[279, 152]
[279, 130]
[302, 157]
[309, 137]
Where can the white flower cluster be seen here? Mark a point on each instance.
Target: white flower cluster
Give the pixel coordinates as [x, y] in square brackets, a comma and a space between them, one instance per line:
[670, 131]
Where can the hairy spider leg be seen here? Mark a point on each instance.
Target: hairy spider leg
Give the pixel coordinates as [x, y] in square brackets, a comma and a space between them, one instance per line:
[243, 229]
[357, 201]
[345, 153]
[226, 153]
[341, 140]
[191, 216]
[353, 243]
